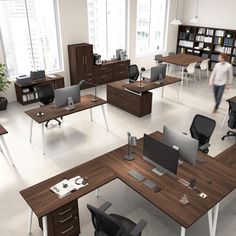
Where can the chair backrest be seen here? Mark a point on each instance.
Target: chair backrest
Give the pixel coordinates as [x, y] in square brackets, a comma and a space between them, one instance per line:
[204, 65]
[158, 57]
[133, 73]
[105, 224]
[191, 68]
[202, 128]
[45, 93]
[232, 115]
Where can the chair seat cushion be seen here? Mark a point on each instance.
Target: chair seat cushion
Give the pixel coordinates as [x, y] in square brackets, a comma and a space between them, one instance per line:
[127, 223]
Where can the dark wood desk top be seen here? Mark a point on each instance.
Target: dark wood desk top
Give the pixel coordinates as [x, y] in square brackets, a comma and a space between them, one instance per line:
[51, 112]
[213, 178]
[33, 83]
[228, 157]
[233, 99]
[43, 201]
[181, 59]
[2, 130]
[151, 85]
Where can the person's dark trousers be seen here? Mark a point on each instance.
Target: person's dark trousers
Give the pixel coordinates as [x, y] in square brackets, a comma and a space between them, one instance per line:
[218, 93]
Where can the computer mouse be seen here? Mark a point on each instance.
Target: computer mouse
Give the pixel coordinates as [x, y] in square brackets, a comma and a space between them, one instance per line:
[156, 189]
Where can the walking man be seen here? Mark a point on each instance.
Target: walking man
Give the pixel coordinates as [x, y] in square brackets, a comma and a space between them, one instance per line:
[221, 78]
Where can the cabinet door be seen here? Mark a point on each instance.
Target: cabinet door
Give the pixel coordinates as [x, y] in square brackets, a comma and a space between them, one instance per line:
[88, 57]
[80, 60]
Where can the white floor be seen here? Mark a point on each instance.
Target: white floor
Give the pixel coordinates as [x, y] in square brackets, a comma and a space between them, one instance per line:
[79, 140]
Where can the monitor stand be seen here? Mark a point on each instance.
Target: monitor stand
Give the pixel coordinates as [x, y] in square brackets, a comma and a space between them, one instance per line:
[159, 171]
[200, 159]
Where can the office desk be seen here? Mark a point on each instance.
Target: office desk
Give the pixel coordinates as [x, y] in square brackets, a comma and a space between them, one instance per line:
[182, 60]
[213, 178]
[2, 132]
[233, 100]
[228, 157]
[51, 112]
[135, 100]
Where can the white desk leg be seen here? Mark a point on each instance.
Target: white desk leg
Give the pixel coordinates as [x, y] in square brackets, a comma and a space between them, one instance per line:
[162, 92]
[45, 226]
[91, 114]
[42, 126]
[226, 115]
[182, 80]
[30, 220]
[170, 70]
[104, 115]
[1, 149]
[97, 192]
[212, 219]
[177, 90]
[31, 129]
[183, 231]
[7, 150]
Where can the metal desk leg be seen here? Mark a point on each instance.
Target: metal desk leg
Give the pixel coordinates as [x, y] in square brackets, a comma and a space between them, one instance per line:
[212, 219]
[42, 126]
[7, 150]
[104, 115]
[31, 129]
[91, 114]
[162, 92]
[45, 226]
[183, 231]
[177, 90]
[97, 192]
[226, 115]
[170, 70]
[1, 149]
[30, 220]
[182, 80]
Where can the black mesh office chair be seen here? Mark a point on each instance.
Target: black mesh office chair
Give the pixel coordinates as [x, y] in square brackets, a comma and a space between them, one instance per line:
[133, 73]
[46, 96]
[201, 129]
[113, 225]
[231, 121]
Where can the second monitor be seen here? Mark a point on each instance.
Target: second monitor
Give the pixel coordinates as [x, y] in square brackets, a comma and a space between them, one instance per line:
[158, 73]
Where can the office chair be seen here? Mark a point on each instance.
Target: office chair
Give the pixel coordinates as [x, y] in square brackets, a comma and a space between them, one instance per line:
[231, 121]
[201, 129]
[133, 73]
[46, 96]
[157, 58]
[190, 70]
[203, 66]
[113, 225]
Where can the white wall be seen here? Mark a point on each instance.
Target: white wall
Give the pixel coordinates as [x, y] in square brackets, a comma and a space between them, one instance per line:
[212, 13]
[74, 29]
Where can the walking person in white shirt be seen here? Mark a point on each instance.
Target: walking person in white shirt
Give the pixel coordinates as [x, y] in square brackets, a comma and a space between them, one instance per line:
[221, 77]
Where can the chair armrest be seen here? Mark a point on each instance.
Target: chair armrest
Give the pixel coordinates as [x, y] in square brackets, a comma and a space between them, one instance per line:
[138, 228]
[205, 146]
[105, 206]
[184, 133]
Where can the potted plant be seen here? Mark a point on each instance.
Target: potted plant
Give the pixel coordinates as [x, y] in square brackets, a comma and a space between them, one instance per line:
[4, 84]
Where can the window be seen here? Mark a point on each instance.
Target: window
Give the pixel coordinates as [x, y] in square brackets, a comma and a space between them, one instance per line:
[151, 16]
[29, 35]
[107, 26]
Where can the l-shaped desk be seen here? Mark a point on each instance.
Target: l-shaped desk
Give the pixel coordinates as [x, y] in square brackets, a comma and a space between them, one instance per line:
[60, 215]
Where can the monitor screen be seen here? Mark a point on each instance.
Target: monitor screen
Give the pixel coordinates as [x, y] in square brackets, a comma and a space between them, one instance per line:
[188, 146]
[159, 153]
[158, 72]
[62, 95]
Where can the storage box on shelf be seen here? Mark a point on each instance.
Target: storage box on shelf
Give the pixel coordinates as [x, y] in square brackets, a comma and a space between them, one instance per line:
[26, 94]
[207, 42]
[82, 66]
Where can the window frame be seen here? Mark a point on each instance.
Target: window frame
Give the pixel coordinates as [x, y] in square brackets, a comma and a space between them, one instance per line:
[126, 27]
[59, 42]
[150, 53]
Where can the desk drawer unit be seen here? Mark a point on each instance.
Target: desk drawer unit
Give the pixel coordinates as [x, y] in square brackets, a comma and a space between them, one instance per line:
[64, 221]
[120, 70]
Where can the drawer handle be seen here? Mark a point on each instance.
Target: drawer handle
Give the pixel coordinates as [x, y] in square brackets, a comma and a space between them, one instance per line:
[66, 231]
[62, 221]
[64, 212]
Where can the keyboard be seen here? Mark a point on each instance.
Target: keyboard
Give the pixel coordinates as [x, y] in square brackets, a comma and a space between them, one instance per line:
[136, 175]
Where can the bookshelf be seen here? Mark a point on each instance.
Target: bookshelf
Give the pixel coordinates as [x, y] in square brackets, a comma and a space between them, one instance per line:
[207, 42]
[26, 94]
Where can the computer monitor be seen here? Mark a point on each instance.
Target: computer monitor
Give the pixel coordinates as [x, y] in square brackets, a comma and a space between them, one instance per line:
[188, 146]
[62, 95]
[161, 155]
[158, 72]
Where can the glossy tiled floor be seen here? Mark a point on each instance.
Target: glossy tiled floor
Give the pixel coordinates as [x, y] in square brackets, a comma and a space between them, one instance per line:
[79, 140]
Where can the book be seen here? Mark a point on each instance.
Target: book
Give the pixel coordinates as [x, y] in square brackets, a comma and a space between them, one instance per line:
[65, 187]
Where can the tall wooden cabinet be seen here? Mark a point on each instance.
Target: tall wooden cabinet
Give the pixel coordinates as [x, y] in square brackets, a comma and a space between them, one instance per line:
[82, 66]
